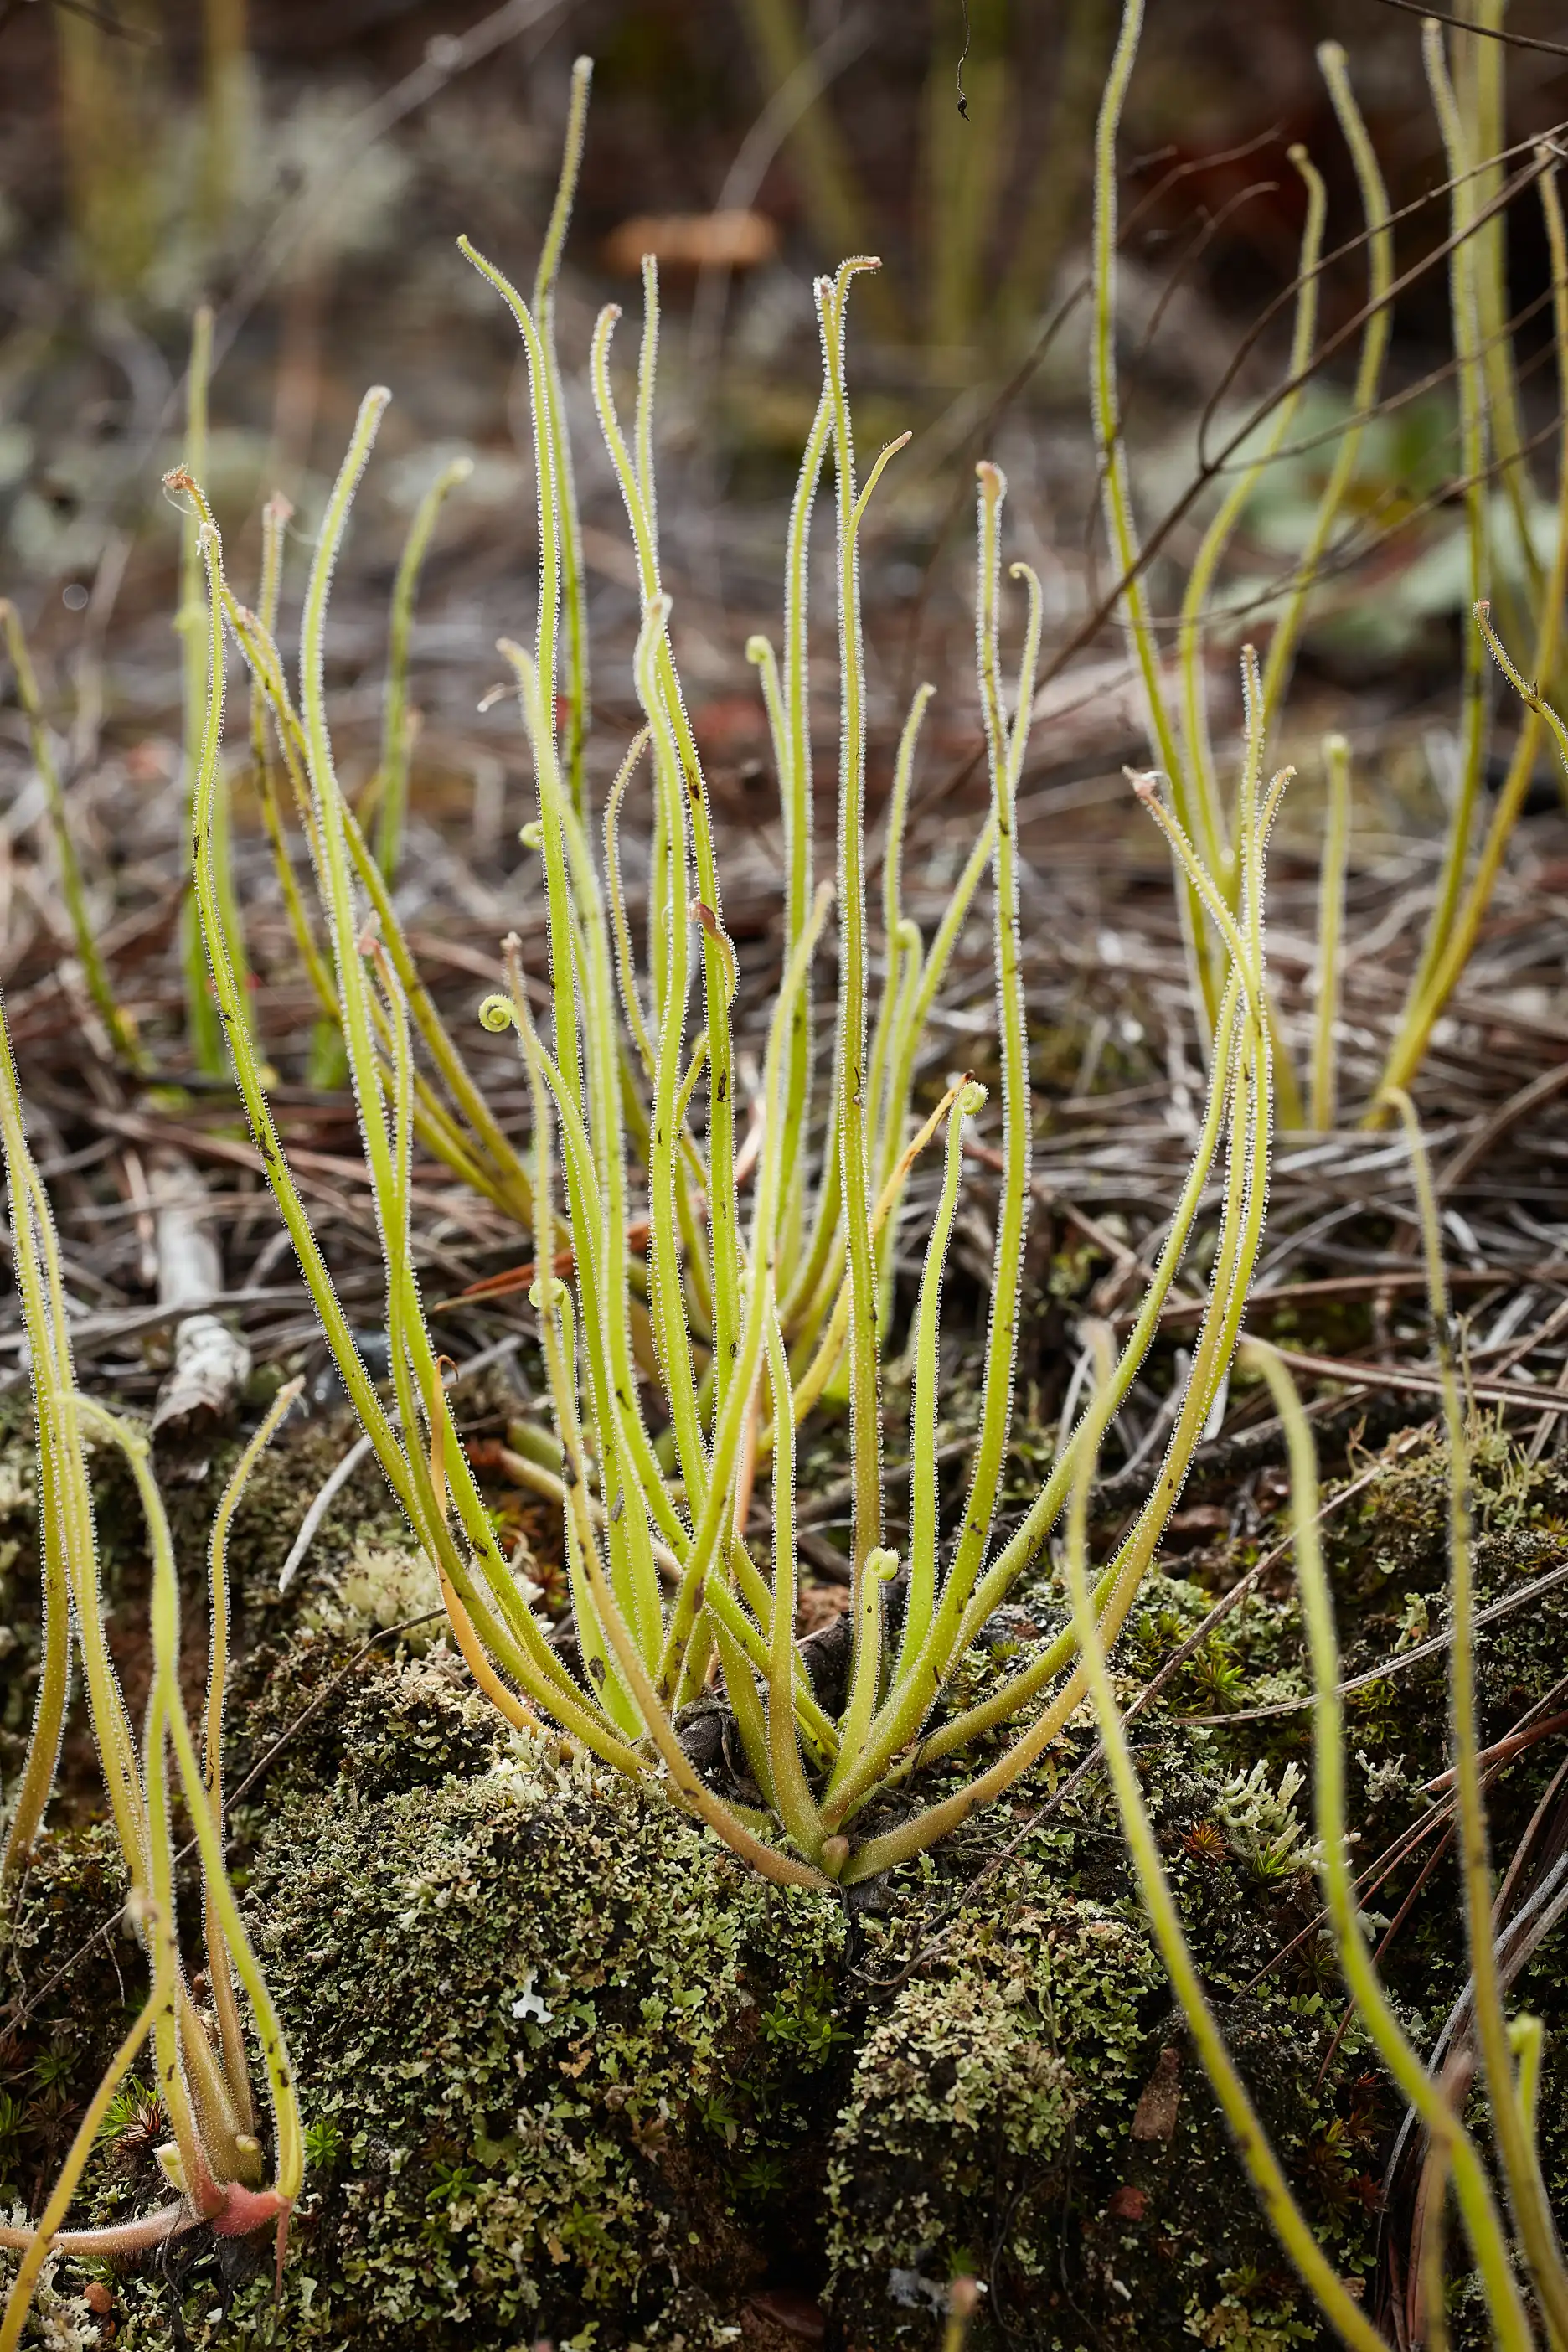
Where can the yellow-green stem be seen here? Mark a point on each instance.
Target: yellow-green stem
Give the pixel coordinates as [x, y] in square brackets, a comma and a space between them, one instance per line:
[202, 1029]
[1482, 2220]
[95, 972]
[1263, 2168]
[1473, 439]
[574, 581]
[1414, 1031]
[396, 728]
[1363, 392]
[1324, 1111]
[1520, 2162]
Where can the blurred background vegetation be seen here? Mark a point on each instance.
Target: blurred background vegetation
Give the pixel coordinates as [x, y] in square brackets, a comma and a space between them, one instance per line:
[304, 166]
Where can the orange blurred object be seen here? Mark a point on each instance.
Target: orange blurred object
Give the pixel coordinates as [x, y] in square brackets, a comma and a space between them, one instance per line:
[734, 723]
[691, 241]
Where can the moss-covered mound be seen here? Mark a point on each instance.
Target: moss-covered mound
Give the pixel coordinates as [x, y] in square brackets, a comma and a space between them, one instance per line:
[524, 1994]
[572, 2074]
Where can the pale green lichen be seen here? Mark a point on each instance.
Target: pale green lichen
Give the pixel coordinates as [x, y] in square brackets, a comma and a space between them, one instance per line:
[1262, 1824]
[60, 2319]
[380, 1585]
[965, 2093]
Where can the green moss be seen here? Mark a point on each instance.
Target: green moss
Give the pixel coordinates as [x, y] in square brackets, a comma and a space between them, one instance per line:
[570, 2071]
[71, 1976]
[60, 2319]
[1026, 2106]
[319, 1715]
[511, 1999]
[1392, 1541]
[965, 2093]
[283, 1485]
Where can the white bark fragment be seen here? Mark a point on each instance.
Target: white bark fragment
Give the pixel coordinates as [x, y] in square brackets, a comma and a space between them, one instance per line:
[212, 1364]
